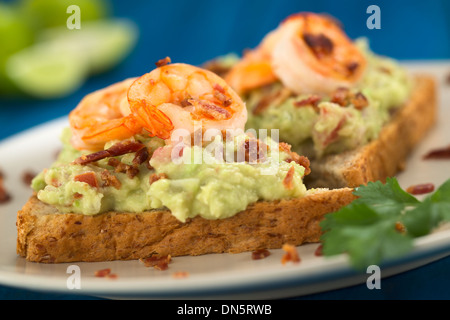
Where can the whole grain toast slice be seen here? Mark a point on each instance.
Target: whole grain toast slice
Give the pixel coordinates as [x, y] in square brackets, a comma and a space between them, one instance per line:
[44, 235]
[386, 155]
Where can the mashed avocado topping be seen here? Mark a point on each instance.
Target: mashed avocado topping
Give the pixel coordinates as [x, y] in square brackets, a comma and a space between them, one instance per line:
[199, 181]
[330, 125]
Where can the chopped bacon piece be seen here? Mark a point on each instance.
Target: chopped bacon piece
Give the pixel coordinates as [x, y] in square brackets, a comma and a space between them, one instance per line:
[319, 251]
[343, 97]
[254, 151]
[180, 275]
[420, 188]
[92, 157]
[110, 180]
[27, 177]
[122, 148]
[141, 156]
[117, 149]
[260, 254]
[291, 254]
[293, 156]
[312, 100]
[159, 263]
[210, 110]
[287, 182]
[359, 101]
[77, 195]
[340, 96]
[102, 273]
[218, 87]
[87, 177]
[442, 153]
[4, 195]
[163, 62]
[157, 176]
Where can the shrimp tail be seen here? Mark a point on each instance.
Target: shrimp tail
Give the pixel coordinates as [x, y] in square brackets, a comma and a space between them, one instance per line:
[152, 119]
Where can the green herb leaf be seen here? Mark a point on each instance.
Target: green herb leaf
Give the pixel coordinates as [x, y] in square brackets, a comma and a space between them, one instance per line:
[367, 229]
[385, 198]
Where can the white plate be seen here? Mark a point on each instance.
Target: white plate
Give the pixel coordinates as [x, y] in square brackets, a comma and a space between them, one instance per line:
[215, 276]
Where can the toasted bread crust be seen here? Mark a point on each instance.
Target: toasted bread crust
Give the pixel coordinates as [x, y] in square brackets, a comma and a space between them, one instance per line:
[386, 155]
[44, 235]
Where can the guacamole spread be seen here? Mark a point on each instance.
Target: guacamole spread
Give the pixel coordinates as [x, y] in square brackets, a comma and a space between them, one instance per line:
[214, 187]
[319, 126]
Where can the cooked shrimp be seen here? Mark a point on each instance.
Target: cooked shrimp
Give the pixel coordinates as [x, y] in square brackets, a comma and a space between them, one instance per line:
[254, 70]
[103, 116]
[308, 52]
[179, 96]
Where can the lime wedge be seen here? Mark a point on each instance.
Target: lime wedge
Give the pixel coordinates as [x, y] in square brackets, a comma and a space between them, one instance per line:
[104, 43]
[47, 71]
[52, 13]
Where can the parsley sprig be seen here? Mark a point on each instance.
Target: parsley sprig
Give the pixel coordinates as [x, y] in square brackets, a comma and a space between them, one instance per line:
[383, 222]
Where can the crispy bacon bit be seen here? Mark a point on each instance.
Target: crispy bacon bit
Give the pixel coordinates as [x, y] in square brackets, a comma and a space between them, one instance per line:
[287, 182]
[291, 254]
[102, 273]
[254, 151]
[4, 195]
[220, 94]
[112, 276]
[320, 44]
[180, 275]
[319, 251]
[359, 101]
[420, 188]
[157, 176]
[343, 97]
[110, 180]
[122, 148]
[340, 96]
[163, 62]
[87, 177]
[159, 263]
[400, 227]
[113, 162]
[313, 100]
[92, 157]
[260, 254]
[443, 153]
[117, 149]
[27, 177]
[140, 157]
[447, 79]
[77, 195]
[293, 156]
[210, 110]
[218, 87]
[333, 136]
[223, 98]
[185, 103]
